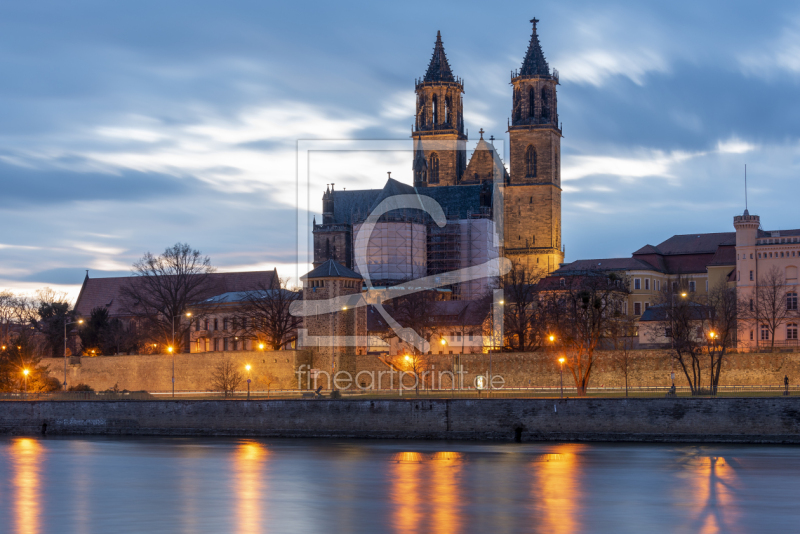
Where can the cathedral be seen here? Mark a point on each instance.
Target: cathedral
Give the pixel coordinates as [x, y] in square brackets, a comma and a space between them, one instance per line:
[491, 210]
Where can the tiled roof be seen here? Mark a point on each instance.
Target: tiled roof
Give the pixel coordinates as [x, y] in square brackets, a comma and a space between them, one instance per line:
[331, 269]
[695, 243]
[606, 264]
[485, 163]
[107, 292]
[725, 255]
[687, 263]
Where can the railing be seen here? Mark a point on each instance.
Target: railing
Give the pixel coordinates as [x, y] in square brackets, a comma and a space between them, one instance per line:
[289, 394]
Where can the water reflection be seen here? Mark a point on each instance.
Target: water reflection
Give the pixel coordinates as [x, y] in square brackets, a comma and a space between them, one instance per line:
[26, 457]
[446, 495]
[556, 491]
[711, 484]
[248, 482]
[405, 492]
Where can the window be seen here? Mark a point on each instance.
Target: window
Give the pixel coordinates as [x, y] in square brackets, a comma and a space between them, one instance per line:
[706, 286]
[791, 331]
[637, 308]
[637, 283]
[791, 301]
[658, 285]
[216, 323]
[225, 323]
[751, 304]
[532, 102]
[433, 168]
[668, 331]
[561, 281]
[458, 336]
[452, 335]
[470, 336]
[692, 286]
[751, 335]
[435, 103]
[530, 160]
[625, 308]
[751, 255]
[764, 333]
[225, 344]
[647, 283]
[545, 105]
[646, 305]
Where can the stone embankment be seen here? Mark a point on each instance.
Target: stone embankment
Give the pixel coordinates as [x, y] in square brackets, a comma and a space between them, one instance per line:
[743, 420]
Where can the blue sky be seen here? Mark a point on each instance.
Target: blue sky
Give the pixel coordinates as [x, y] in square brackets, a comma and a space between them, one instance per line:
[128, 126]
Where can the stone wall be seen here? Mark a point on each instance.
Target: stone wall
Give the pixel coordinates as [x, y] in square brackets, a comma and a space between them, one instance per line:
[751, 420]
[269, 370]
[537, 369]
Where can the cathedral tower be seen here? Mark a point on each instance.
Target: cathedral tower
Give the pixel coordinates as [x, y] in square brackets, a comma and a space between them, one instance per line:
[532, 224]
[439, 125]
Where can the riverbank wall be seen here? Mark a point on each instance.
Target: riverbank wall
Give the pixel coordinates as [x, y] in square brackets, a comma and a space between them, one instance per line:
[734, 420]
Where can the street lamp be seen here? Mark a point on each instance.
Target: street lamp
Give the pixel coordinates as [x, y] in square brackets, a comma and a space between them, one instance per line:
[25, 372]
[260, 346]
[561, 361]
[172, 351]
[79, 321]
[248, 380]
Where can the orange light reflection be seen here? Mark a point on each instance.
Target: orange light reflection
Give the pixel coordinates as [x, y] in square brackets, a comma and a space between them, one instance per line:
[248, 464]
[406, 471]
[446, 498]
[557, 492]
[26, 460]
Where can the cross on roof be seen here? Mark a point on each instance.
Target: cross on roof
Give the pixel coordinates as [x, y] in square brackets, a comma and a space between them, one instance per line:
[481, 132]
[534, 20]
[491, 138]
[390, 174]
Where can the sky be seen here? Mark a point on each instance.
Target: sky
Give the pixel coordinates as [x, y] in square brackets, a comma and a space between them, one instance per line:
[126, 127]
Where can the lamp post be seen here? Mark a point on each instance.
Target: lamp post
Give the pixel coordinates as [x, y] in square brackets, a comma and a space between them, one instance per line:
[248, 380]
[172, 349]
[79, 321]
[25, 372]
[561, 361]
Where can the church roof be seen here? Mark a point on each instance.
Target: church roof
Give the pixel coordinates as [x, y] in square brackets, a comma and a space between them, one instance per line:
[485, 162]
[331, 269]
[457, 201]
[691, 244]
[439, 68]
[534, 63]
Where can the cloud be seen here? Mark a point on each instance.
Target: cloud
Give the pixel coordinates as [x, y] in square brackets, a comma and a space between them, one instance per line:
[780, 54]
[645, 164]
[595, 67]
[734, 145]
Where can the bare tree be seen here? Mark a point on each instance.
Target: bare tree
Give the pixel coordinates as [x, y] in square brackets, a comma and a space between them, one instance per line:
[414, 364]
[685, 317]
[47, 313]
[264, 314]
[583, 308]
[164, 288]
[621, 333]
[768, 307]
[722, 324]
[415, 311]
[8, 313]
[225, 377]
[522, 316]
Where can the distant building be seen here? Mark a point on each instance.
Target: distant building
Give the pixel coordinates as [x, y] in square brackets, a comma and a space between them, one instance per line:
[757, 253]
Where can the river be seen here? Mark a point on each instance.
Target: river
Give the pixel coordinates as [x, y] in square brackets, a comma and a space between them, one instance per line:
[142, 485]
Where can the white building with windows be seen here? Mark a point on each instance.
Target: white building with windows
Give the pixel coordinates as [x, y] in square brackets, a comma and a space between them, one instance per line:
[759, 255]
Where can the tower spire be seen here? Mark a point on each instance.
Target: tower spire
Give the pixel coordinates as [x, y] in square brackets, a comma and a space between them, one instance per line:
[534, 63]
[439, 68]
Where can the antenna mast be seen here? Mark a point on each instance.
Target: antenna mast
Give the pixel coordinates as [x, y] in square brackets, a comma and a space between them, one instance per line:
[745, 186]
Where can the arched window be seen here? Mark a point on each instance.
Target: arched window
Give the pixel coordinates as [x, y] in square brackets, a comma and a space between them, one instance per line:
[530, 161]
[545, 103]
[421, 108]
[435, 110]
[433, 168]
[532, 102]
[448, 108]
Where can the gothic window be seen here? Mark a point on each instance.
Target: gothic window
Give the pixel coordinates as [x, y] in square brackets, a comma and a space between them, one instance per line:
[545, 103]
[421, 111]
[532, 102]
[448, 109]
[433, 168]
[435, 110]
[517, 105]
[530, 161]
